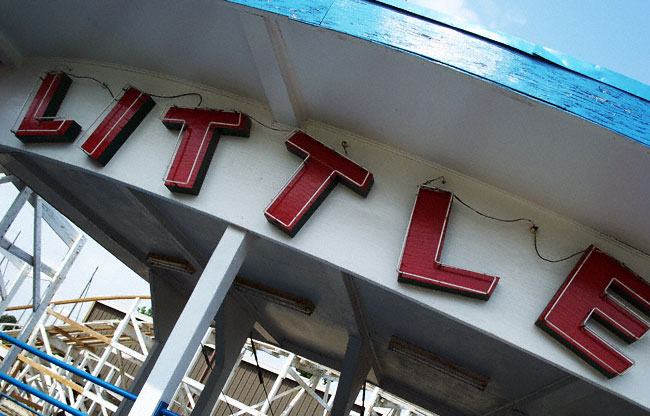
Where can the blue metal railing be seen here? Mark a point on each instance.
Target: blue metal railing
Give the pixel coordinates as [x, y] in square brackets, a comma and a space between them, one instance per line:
[31, 390]
[95, 380]
[24, 406]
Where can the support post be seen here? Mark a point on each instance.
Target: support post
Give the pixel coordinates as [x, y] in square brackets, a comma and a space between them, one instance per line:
[13, 210]
[167, 304]
[201, 308]
[232, 326]
[356, 366]
[28, 329]
[36, 265]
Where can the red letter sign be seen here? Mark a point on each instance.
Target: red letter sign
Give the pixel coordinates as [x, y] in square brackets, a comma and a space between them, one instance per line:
[312, 182]
[39, 124]
[194, 152]
[586, 294]
[420, 264]
[118, 125]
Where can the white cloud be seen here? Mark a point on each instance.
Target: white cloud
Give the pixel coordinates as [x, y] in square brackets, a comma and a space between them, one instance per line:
[516, 19]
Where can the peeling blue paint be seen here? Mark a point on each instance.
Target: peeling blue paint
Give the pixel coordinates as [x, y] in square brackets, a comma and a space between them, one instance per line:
[600, 96]
[306, 11]
[595, 72]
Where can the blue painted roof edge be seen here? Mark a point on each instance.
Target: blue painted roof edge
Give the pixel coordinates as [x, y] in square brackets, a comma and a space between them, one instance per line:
[520, 66]
[592, 71]
[314, 12]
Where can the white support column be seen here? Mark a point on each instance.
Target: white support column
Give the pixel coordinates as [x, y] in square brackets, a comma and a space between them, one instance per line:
[28, 329]
[355, 369]
[201, 308]
[274, 67]
[233, 324]
[7, 179]
[24, 272]
[36, 265]
[8, 52]
[3, 287]
[13, 210]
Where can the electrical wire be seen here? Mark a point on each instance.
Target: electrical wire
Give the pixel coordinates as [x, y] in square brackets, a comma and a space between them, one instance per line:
[534, 228]
[225, 398]
[345, 145]
[210, 365]
[269, 127]
[180, 95]
[259, 374]
[83, 293]
[363, 399]
[430, 181]
[103, 84]
[528, 220]
[577, 253]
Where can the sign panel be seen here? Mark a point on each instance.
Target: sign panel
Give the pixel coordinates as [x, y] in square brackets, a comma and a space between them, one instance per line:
[322, 169]
[420, 264]
[40, 124]
[201, 130]
[117, 126]
[597, 289]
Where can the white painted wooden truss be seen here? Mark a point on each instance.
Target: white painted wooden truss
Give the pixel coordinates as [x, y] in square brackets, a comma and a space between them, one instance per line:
[31, 265]
[321, 386]
[87, 346]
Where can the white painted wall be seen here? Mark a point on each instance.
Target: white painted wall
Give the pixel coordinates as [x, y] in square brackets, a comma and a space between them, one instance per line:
[360, 236]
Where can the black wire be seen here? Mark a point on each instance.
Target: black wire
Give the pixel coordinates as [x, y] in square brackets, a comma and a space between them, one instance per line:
[577, 253]
[259, 374]
[232, 411]
[180, 95]
[207, 359]
[267, 126]
[345, 146]
[103, 84]
[210, 365]
[363, 399]
[528, 220]
[533, 228]
[435, 179]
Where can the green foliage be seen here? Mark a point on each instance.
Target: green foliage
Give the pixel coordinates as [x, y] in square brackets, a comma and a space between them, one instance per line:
[304, 374]
[145, 311]
[7, 319]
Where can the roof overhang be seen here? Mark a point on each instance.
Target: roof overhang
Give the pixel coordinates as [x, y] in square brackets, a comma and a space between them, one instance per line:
[401, 88]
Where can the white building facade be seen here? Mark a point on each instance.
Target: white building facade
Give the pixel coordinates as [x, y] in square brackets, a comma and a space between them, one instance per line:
[303, 97]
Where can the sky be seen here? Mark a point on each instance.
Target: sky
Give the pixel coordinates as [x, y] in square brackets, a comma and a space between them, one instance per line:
[92, 256]
[613, 34]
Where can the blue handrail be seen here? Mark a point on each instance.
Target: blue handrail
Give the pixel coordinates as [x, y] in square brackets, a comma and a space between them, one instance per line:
[68, 367]
[108, 386]
[31, 390]
[24, 406]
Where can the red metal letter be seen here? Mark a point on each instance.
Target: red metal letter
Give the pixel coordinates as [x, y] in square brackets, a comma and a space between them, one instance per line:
[39, 124]
[420, 264]
[586, 294]
[194, 152]
[117, 126]
[312, 182]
